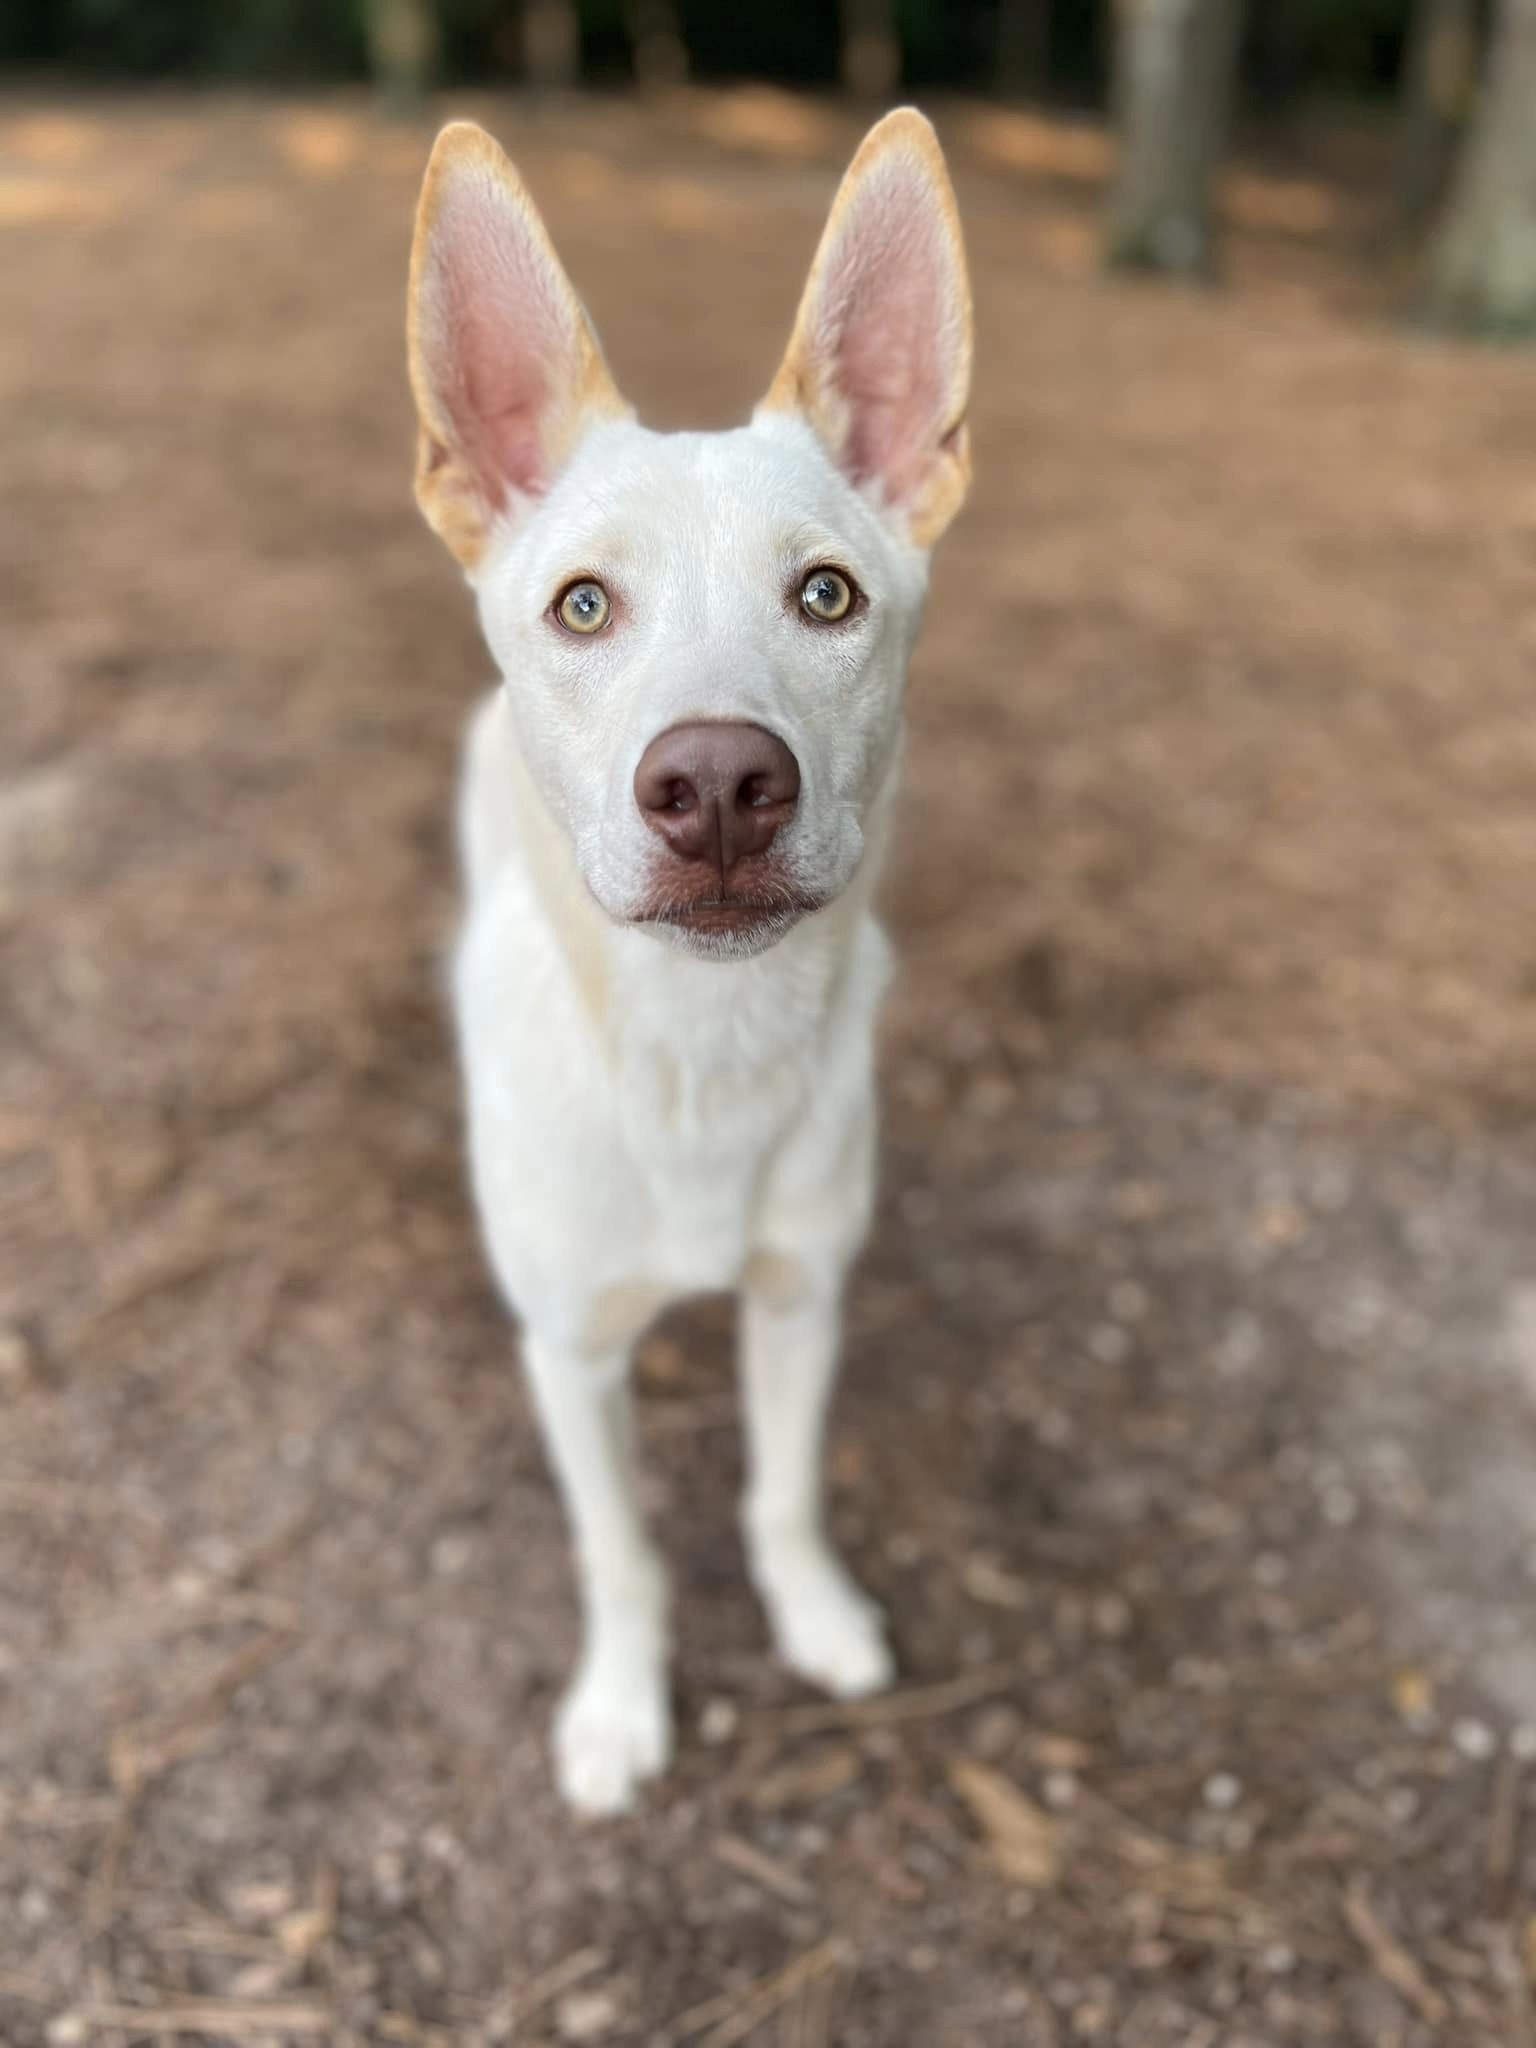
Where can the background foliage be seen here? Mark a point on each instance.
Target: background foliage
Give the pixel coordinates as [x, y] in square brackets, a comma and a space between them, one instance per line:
[1292, 45]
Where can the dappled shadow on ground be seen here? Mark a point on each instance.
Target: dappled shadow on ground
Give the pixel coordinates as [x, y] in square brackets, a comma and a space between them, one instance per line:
[1188, 1428]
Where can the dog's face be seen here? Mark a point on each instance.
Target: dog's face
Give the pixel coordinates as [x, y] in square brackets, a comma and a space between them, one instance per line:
[704, 637]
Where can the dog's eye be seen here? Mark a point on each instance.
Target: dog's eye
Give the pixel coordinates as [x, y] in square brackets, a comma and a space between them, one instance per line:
[584, 607]
[826, 595]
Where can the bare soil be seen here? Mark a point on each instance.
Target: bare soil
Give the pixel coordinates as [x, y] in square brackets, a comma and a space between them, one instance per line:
[1189, 1425]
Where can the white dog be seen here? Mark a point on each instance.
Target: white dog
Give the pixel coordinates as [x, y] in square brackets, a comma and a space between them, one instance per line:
[672, 818]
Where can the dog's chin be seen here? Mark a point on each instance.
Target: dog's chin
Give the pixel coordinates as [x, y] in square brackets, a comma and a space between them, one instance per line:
[726, 928]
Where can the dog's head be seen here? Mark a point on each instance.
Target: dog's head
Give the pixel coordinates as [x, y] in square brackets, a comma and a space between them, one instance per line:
[704, 636]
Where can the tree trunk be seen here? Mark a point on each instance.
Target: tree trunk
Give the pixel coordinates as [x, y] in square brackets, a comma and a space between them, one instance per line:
[1274, 59]
[1023, 51]
[871, 50]
[402, 49]
[551, 43]
[1482, 265]
[656, 37]
[1439, 83]
[1175, 61]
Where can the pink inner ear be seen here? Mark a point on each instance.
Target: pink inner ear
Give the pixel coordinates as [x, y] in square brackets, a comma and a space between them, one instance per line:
[888, 322]
[499, 334]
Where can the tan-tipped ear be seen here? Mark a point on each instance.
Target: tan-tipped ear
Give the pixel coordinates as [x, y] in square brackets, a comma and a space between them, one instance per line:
[506, 370]
[880, 358]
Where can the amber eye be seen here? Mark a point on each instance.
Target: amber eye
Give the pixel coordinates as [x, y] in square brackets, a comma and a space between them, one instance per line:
[584, 607]
[827, 596]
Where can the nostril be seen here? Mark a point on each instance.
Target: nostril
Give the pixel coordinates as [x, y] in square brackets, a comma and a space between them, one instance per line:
[680, 796]
[768, 783]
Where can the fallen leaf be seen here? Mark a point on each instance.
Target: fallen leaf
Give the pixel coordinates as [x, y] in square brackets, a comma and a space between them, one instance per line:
[805, 1781]
[1413, 1695]
[302, 1933]
[987, 1582]
[1023, 1840]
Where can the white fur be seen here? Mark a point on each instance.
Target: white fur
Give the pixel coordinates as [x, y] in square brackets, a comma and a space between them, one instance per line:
[654, 1113]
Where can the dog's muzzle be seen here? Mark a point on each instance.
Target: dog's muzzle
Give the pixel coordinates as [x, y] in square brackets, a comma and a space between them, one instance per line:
[716, 794]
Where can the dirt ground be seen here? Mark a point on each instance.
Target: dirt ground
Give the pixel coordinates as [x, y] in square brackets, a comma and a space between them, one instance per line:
[1189, 1424]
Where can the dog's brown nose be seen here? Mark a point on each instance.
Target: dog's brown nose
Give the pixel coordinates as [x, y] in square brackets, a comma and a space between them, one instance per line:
[717, 792]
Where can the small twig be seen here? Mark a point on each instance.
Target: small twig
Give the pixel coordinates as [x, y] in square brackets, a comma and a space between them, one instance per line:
[1392, 1961]
[135, 1762]
[277, 1548]
[26, 1990]
[208, 2016]
[404, 2026]
[751, 1863]
[103, 1990]
[101, 1894]
[1509, 1968]
[1503, 1822]
[214, 1941]
[684, 1417]
[913, 1703]
[217, 1609]
[1211, 1930]
[184, 1268]
[44, 1496]
[735, 2015]
[512, 2007]
[140, 1755]
[816, 2007]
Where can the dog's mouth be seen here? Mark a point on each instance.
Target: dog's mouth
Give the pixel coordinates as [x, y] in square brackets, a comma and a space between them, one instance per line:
[727, 915]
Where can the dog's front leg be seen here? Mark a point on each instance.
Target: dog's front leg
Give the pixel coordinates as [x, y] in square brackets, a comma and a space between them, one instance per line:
[613, 1728]
[824, 1626]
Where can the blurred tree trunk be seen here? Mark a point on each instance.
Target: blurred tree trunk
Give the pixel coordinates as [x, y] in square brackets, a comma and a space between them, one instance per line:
[1439, 82]
[871, 49]
[551, 43]
[656, 37]
[1482, 262]
[402, 51]
[1175, 61]
[1022, 58]
[1274, 60]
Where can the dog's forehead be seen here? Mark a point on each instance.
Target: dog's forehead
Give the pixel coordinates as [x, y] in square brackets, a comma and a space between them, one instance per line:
[633, 495]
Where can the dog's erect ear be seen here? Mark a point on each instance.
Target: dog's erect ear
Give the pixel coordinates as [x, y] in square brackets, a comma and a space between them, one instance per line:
[505, 366]
[880, 359]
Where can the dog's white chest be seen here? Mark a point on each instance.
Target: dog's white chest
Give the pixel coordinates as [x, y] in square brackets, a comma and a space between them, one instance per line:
[700, 1136]
[632, 1147]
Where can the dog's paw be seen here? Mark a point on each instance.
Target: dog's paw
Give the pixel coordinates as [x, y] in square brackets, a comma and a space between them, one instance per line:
[609, 1737]
[826, 1629]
